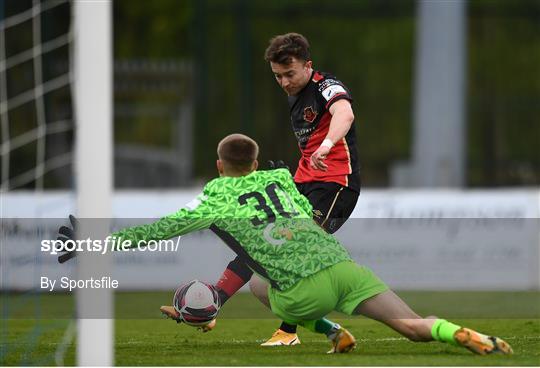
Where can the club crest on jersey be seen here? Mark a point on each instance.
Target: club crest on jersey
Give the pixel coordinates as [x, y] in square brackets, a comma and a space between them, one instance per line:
[309, 114]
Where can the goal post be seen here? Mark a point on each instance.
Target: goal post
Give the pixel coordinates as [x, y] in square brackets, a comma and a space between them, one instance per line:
[92, 61]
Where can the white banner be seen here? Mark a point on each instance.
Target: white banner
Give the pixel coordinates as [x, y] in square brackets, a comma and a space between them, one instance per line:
[414, 240]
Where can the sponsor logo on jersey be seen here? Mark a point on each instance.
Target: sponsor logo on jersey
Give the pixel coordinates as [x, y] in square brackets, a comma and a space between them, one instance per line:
[327, 83]
[302, 135]
[331, 91]
[196, 202]
[309, 114]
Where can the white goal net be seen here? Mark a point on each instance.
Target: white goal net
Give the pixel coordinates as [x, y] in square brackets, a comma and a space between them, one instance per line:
[56, 133]
[35, 102]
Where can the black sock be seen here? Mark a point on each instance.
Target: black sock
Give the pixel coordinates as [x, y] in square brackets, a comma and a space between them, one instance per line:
[287, 327]
[223, 296]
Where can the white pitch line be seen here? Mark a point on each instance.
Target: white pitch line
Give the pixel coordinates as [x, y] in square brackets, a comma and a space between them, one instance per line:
[382, 339]
[236, 341]
[385, 339]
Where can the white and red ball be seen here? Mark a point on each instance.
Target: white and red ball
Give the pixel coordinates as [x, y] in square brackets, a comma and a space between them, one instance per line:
[197, 302]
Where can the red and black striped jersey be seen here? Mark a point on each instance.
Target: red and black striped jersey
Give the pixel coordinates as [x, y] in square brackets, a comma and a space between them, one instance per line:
[310, 118]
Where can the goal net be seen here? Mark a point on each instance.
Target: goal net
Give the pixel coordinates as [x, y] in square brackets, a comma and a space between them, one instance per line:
[55, 110]
[35, 107]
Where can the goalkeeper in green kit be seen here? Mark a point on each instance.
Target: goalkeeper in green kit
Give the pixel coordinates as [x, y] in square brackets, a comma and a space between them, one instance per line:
[302, 272]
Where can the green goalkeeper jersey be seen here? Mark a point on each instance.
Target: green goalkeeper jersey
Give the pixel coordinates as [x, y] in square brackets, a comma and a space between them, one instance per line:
[263, 218]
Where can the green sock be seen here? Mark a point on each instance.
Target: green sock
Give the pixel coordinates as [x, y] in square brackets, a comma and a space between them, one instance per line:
[322, 325]
[444, 331]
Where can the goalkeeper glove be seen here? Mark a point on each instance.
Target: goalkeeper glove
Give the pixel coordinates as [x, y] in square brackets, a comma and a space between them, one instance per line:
[279, 164]
[66, 233]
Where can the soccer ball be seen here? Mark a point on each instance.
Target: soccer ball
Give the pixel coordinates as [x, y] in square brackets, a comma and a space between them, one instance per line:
[197, 302]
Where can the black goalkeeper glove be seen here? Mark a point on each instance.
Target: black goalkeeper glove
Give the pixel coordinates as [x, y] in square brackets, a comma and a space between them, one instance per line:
[279, 164]
[66, 233]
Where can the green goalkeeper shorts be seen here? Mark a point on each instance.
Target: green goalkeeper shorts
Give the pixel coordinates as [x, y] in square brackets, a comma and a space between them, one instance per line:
[340, 287]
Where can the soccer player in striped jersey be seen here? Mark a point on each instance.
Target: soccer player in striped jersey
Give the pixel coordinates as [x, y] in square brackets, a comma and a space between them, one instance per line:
[328, 172]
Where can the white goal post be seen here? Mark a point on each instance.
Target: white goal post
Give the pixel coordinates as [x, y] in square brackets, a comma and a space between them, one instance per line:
[92, 61]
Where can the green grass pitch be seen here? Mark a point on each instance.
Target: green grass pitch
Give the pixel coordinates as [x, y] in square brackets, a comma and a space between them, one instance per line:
[142, 337]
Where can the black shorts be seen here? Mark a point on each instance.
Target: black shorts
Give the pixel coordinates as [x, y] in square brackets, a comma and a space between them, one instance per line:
[332, 203]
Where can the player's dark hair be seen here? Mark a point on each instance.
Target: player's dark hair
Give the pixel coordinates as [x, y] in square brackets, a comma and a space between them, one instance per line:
[238, 150]
[284, 47]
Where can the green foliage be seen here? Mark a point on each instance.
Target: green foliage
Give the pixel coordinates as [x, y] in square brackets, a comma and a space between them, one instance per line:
[369, 45]
[152, 29]
[504, 93]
